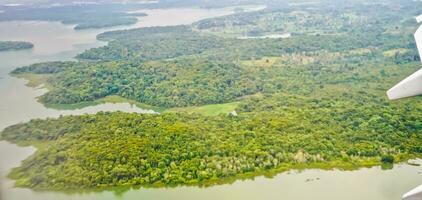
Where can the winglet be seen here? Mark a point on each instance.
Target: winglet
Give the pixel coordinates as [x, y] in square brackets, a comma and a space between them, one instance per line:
[415, 194]
[412, 85]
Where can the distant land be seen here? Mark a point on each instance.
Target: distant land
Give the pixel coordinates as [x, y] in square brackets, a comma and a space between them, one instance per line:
[15, 45]
[83, 16]
[94, 14]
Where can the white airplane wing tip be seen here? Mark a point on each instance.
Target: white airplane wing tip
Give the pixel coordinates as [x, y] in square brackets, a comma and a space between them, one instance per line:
[411, 86]
[415, 194]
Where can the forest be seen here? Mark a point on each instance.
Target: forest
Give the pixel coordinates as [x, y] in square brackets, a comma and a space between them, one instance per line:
[314, 100]
[116, 149]
[15, 45]
[177, 67]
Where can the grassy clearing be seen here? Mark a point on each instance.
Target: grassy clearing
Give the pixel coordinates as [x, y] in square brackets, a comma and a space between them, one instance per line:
[208, 110]
[263, 62]
[36, 80]
[392, 52]
[360, 51]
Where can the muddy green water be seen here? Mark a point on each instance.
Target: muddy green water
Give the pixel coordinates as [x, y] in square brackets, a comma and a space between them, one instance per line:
[55, 41]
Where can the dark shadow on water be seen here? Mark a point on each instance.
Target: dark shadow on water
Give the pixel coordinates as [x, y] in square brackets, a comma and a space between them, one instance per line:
[119, 191]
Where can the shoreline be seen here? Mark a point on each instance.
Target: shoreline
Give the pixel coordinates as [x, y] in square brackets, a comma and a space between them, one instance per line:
[288, 168]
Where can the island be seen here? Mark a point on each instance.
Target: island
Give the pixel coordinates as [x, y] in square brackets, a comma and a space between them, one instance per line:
[229, 108]
[83, 16]
[15, 45]
[156, 150]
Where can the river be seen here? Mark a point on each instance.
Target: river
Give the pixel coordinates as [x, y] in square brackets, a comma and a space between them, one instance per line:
[55, 41]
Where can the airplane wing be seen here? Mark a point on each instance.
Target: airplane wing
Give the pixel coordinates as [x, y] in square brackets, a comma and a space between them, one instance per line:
[412, 85]
[415, 194]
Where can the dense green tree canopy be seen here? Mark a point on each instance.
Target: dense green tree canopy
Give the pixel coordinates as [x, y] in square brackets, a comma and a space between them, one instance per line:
[109, 149]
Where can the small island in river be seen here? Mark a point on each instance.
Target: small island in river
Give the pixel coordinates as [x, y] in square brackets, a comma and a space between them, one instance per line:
[15, 45]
